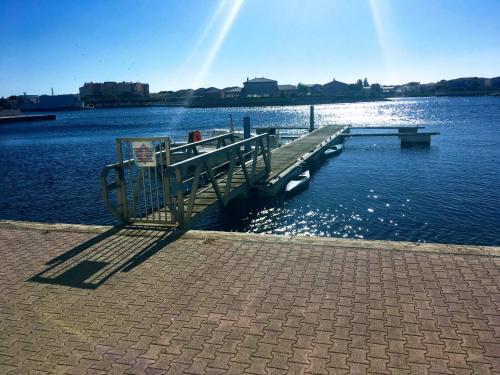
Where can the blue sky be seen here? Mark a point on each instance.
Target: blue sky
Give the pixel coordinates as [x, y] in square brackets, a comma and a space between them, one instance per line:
[192, 43]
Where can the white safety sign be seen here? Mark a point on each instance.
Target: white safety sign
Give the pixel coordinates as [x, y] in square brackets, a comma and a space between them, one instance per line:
[144, 154]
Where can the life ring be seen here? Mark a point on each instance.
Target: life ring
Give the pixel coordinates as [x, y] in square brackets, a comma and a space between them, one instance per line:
[196, 136]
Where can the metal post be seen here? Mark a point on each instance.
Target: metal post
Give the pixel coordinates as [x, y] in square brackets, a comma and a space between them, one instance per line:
[246, 131]
[311, 118]
[121, 177]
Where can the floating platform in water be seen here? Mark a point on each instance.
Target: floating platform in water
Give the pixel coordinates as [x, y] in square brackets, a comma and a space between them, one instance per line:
[408, 135]
[25, 118]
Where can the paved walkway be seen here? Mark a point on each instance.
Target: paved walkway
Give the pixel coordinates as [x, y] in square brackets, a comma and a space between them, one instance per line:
[76, 300]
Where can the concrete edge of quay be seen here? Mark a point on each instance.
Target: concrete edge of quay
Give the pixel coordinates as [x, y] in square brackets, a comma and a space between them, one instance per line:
[204, 235]
[58, 227]
[349, 243]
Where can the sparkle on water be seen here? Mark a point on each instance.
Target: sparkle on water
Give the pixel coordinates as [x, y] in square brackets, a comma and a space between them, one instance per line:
[449, 192]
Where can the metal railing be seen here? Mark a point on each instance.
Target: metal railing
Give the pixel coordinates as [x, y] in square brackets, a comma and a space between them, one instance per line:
[215, 172]
[167, 192]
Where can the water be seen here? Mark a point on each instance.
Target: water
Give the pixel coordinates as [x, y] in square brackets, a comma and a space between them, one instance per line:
[447, 193]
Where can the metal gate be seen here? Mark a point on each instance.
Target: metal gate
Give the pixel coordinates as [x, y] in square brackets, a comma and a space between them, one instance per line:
[140, 191]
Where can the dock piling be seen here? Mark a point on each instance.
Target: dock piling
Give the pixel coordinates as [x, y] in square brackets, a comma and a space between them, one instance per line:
[311, 119]
[246, 131]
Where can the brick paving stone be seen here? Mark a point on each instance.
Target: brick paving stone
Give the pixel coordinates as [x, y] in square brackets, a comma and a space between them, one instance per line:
[230, 303]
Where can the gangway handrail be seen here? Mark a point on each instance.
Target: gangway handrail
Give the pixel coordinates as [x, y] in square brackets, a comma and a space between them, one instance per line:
[193, 160]
[234, 157]
[173, 149]
[202, 142]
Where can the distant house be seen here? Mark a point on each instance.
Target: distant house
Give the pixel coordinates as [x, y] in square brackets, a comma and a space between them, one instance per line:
[199, 92]
[388, 90]
[162, 95]
[466, 83]
[410, 88]
[212, 92]
[427, 88]
[184, 93]
[260, 87]
[314, 88]
[231, 92]
[288, 90]
[334, 88]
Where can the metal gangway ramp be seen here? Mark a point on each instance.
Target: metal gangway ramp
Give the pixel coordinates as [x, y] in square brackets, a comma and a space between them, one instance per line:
[178, 183]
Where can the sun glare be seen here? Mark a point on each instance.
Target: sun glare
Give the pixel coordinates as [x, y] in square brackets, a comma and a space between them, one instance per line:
[207, 52]
[206, 31]
[217, 43]
[382, 37]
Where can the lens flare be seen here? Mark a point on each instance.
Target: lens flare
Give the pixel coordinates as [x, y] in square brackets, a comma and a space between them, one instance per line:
[217, 43]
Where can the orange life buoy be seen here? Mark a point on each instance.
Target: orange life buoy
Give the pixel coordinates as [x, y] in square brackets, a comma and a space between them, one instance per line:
[196, 136]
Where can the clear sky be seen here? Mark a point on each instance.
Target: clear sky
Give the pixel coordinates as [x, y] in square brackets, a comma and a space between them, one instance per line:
[192, 43]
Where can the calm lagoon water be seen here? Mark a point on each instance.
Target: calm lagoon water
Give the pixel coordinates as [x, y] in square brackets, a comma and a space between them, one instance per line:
[448, 193]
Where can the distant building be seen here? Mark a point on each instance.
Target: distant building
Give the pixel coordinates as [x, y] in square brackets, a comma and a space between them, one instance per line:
[162, 95]
[314, 88]
[184, 93]
[388, 90]
[335, 88]
[427, 88]
[28, 99]
[50, 102]
[495, 83]
[466, 83]
[113, 90]
[288, 90]
[211, 93]
[260, 87]
[231, 92]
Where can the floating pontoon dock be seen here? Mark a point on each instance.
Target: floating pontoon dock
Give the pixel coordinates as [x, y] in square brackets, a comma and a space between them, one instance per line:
[25, 118]
[408, 135]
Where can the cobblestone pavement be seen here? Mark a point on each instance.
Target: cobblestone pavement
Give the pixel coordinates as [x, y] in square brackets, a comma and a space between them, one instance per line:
[136, 301]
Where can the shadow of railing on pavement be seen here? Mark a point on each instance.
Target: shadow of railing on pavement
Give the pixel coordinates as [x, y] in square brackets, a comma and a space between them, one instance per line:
[91, 263]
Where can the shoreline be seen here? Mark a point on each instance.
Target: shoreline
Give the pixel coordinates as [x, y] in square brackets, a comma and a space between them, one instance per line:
[243, 103]
[256, 102]
[25, 118]
[444, 248]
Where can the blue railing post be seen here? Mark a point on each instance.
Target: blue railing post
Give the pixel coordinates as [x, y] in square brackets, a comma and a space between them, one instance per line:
[246, 131]
[311, 118]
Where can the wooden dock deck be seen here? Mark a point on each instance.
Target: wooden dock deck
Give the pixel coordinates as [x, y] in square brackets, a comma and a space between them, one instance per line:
[287, 160]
